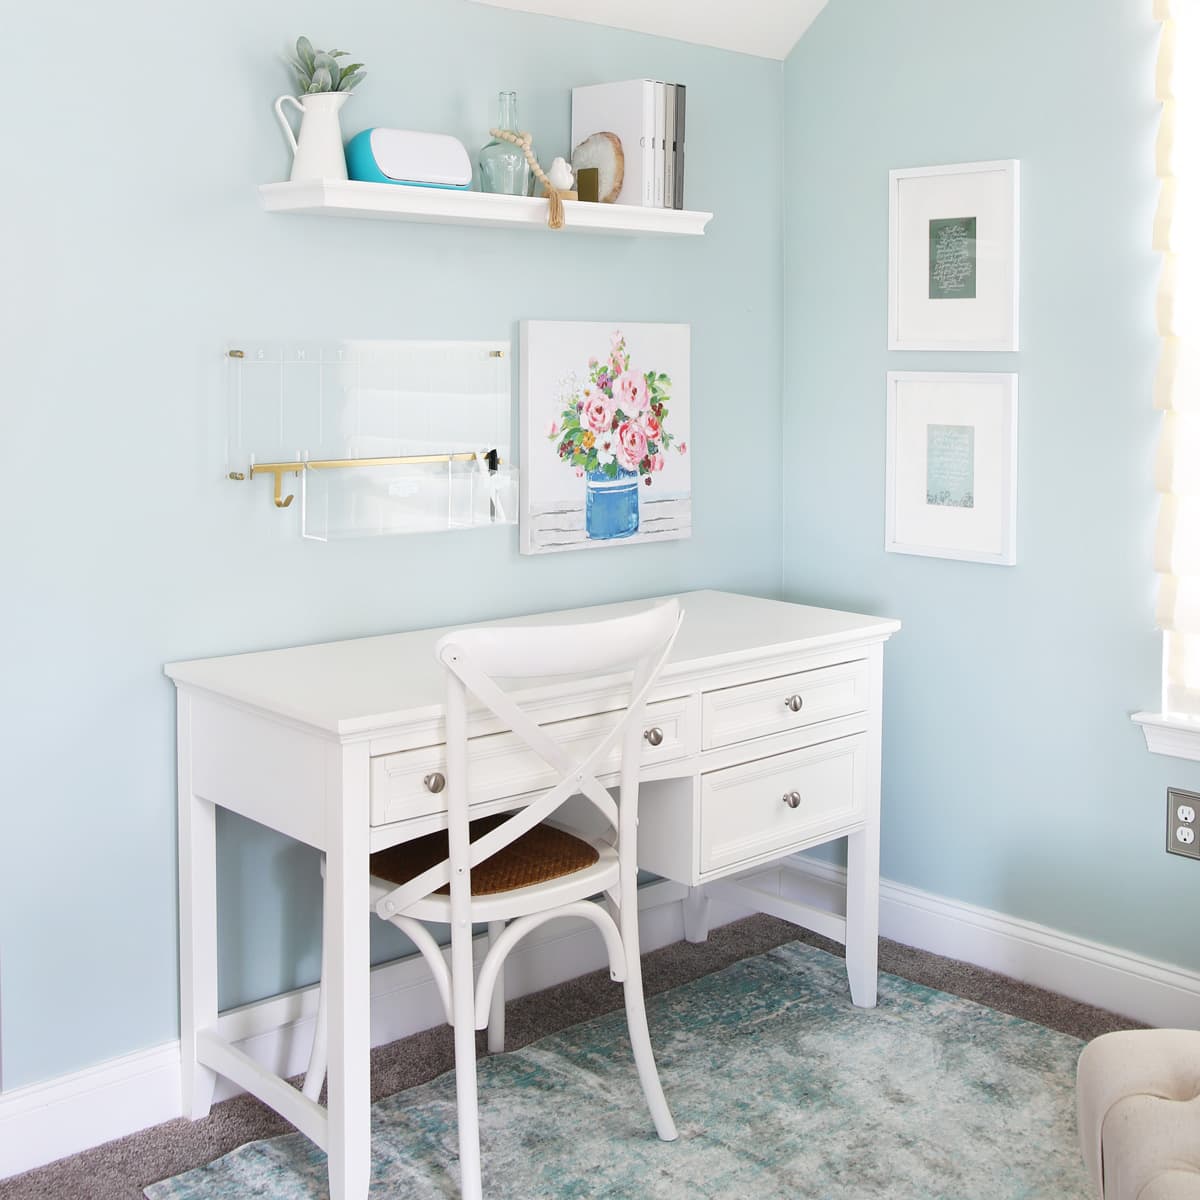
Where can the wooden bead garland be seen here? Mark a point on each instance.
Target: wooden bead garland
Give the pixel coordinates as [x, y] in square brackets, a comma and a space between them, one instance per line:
[558, 216]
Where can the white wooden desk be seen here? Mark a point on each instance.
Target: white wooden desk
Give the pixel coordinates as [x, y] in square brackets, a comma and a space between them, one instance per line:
[765, 733]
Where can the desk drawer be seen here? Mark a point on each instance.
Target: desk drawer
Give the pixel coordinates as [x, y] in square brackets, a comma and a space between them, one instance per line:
[744, 814]
[502, 765]
[752, 710]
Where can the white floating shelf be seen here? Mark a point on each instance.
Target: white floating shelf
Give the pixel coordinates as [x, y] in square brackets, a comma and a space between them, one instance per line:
[395, 202]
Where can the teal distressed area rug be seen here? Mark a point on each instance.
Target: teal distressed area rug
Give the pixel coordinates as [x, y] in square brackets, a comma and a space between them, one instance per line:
[780, 1087]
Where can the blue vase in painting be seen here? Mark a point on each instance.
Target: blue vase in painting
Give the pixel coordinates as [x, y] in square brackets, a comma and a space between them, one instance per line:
[612, 505]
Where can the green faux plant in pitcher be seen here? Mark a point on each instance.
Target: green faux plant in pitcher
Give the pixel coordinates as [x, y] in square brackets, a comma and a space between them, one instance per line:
[320, 71]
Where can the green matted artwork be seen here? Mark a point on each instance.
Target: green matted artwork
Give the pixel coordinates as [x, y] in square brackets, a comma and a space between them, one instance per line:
[952, 258]
[951, 483]
[950, 465]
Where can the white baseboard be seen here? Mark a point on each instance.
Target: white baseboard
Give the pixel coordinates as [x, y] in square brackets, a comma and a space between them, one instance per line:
[47, 1121]
[63, 1116]
[1155, 993]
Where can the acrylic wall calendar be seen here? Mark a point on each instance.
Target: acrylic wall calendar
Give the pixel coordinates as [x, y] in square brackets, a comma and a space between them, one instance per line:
[375, 437]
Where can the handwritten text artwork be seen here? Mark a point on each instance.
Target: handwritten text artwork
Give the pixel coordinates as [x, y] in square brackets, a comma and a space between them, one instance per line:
[952, 258]
[950, 466]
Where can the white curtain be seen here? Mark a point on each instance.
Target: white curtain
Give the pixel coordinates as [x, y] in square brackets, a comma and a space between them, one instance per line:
[1177, 385]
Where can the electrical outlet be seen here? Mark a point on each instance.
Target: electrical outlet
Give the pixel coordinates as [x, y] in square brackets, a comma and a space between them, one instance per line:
[1183, 830]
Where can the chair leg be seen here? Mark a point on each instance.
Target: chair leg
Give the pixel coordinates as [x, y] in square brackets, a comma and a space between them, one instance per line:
[495, 1038]
[462, 972]
[639, 1031]
[318, 1059]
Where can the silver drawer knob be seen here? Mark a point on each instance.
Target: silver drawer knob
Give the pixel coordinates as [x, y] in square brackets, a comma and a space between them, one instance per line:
[654, 736]
[792, 799]
[435, 782]
[795, 703]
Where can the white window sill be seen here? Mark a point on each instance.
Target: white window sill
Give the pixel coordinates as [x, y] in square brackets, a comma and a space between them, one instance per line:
[1167, 733]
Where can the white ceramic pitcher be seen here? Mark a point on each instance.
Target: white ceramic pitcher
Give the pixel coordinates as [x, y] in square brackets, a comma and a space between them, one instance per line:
[319, 153]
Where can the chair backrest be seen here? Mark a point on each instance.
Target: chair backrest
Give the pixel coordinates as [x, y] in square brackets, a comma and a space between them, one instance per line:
[639, 643]
[529, 651]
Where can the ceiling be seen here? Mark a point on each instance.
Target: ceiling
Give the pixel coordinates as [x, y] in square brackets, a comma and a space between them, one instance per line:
[767, 28]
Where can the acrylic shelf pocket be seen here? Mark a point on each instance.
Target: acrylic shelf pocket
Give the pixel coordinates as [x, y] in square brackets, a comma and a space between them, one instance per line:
[376, 438]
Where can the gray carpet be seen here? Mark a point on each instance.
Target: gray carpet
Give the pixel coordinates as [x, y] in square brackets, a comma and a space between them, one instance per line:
[121, 1169]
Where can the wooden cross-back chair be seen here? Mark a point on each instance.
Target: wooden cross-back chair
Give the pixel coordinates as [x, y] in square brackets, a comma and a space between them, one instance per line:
[516, 871]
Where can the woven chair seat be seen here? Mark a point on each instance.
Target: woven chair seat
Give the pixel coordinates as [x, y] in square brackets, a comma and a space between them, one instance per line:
[541, 854]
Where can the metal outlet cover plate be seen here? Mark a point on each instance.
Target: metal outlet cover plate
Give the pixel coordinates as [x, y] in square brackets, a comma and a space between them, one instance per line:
[1180, 804]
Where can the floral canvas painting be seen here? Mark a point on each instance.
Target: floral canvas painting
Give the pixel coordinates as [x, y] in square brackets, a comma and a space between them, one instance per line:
[605, 434]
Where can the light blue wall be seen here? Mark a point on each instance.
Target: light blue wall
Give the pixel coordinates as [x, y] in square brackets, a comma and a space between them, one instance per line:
[1012, 775]
[1013, 778]
[133, 250]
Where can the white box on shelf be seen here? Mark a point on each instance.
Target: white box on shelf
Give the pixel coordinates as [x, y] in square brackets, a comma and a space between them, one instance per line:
[660, 145]
[628, 110]
[670, 146]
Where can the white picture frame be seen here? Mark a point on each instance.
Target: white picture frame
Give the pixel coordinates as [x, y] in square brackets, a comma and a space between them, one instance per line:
[605, 435]
[951, 482]
[954, 257]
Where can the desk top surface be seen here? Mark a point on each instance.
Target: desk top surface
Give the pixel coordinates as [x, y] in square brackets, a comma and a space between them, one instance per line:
[354, 687]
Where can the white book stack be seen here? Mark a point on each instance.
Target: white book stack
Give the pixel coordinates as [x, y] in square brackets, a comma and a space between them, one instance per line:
[647, 116]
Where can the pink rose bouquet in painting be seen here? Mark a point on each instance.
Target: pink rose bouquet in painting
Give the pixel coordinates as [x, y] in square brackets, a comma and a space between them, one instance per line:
[613, 431]
[617, 421]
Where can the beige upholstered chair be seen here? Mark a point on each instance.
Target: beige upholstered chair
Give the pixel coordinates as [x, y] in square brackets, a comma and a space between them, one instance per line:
[1138, 1095]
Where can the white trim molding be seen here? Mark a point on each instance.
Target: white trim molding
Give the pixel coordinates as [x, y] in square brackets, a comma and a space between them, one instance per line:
[1170, 733]
[47, 1121]
[1155, 993]
[764, 28]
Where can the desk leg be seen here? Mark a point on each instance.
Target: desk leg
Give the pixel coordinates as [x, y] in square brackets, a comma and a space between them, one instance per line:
[347, 939]
[862, 867]
[695, 915]
[862, 915]
[197, 924]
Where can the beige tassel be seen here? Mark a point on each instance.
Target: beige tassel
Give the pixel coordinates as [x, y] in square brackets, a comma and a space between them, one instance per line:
[558, 216]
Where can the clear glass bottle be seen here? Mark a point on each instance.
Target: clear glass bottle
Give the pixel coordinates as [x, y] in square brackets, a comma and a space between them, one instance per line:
[502, 166]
